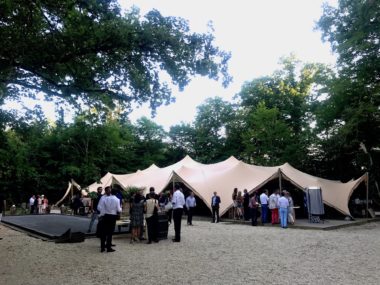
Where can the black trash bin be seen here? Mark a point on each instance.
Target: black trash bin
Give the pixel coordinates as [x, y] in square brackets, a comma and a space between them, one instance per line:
[163, 226]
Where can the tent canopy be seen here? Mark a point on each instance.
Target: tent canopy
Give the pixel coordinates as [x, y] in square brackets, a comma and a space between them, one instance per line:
[224, 176]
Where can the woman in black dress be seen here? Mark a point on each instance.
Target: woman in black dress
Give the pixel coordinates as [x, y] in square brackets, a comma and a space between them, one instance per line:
[137, 216]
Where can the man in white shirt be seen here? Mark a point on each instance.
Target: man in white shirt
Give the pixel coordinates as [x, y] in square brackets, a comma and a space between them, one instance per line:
[283, 204]
[264, 206]
[178, 202]
[190, 205]
[273, 201]
[31, 204]
[109, 208]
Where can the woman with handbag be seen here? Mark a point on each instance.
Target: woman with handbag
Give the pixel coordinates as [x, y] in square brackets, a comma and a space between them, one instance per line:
[151, 216]
[169, 208]
[137, 216]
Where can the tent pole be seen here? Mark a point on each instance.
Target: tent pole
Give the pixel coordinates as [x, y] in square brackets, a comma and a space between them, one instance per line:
[367, 183]
[280, 180]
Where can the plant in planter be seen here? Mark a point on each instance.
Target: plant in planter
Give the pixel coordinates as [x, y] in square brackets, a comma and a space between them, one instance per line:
[130, 191]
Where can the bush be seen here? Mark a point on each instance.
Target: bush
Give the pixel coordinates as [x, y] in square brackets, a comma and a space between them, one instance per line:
[130, 191]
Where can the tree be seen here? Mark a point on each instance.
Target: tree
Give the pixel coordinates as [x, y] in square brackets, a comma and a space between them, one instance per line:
[182, 141]
[150, 147]
[287, 96]
[75, 49]
[350, 116]
[267, 140]
[210, 129]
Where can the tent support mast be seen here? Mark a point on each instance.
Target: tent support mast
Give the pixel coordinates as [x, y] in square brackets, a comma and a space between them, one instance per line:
[367, 186]
[280, 180]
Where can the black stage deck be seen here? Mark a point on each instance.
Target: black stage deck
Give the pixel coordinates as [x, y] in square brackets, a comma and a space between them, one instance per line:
[51, 226]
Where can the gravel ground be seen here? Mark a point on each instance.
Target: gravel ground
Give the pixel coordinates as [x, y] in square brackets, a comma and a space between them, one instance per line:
[208, 254]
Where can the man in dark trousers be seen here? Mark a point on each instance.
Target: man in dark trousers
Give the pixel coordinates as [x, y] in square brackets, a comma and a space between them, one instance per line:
[191, 203]
[215, 201]
[246, 205]
[94, 208]
[109, 208]
[178, 202]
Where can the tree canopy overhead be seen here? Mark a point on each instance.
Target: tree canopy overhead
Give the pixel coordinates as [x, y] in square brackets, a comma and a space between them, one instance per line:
[90, 50]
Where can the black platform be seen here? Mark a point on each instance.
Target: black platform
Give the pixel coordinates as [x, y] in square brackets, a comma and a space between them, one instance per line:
[50, 226]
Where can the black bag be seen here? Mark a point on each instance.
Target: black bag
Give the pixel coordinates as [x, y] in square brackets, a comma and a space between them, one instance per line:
[155, 210]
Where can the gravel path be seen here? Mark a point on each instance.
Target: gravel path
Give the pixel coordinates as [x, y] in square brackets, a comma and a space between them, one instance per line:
[208, 254]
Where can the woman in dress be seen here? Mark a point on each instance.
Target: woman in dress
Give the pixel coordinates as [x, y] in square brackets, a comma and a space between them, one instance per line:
[170, 209]
[137, 216]
[234, 197]
[291, 213]
[151, 216]
[239, 208]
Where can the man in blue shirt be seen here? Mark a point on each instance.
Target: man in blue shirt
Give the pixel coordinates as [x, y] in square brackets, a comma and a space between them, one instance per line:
[215, 201]
[190, 205]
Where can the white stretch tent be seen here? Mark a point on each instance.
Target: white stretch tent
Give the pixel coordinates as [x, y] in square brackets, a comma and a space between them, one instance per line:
[224, 176]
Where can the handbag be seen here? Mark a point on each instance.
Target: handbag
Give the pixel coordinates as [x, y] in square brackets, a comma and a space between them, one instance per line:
[168, 206]
[155, 210]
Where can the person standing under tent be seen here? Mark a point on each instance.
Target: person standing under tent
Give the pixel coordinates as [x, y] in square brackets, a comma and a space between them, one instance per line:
[36, 205]
[291, 213]
[151, 217]
[39, 200]
[273, 201]
[109, 208]
[137, 216]
[178, 202]
[191, 203]
[215, 203]
[283, 205]
[45, 205]
[234, 198]
[253, 205]
[76, 203]
[169, 207]
[94, 208]
[31, 204]
[264, 206]
[239, 208]
[162, 200]
[246, 205]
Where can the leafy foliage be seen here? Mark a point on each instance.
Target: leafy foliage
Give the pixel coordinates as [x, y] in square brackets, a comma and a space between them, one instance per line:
[75, 49]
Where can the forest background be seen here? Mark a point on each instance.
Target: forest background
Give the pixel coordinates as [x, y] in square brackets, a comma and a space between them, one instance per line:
[99, 61]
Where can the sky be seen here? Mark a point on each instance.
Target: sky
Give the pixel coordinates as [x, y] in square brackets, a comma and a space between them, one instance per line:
[256, 32]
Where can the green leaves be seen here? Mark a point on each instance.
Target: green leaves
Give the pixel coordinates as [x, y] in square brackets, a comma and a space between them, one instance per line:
[87, 49]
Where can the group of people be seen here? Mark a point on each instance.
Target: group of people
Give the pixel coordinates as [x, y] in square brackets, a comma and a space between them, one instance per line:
[240, 204]
[280, 206]
[107, 207]
[38, 204]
